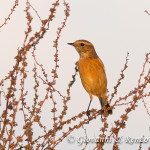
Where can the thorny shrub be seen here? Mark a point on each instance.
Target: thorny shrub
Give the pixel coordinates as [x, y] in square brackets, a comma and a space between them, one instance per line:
[32, 113]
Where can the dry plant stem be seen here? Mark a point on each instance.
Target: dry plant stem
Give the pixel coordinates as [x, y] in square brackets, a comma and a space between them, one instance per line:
[12, 11]
[120, 124]
[135, 90]
[36, 92]
[36, 12]
[102, 135]
[146, 61]
[7, 121]
[24, 75]
[56, 66]
[32, 114]
[126, 96]
[35, 116]
[50, 84]
[104, 128]
[34, 40]
[24, 63]
[94, 114]
[10, 94]
[147, 12]
[54, 71]
[41, 66]
[54, 118]
[38, 35]
[64, 111]
[146, 106]
[124, 117]
[120, 79]
[24, 52]
[140, 146]
[86, 138]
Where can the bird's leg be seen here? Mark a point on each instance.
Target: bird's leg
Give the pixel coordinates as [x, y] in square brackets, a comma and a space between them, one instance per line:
[102, 103]
[88, 111]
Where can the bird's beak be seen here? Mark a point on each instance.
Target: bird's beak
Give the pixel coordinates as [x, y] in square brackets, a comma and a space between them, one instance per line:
[70, 44]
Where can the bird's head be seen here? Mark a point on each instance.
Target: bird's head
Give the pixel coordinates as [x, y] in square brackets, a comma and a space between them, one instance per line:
[84, 48]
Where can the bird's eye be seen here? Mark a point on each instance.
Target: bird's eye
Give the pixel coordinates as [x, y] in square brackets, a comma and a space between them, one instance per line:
[82, 44]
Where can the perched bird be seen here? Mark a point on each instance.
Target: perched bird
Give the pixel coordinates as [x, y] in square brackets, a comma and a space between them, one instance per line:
[92, 73]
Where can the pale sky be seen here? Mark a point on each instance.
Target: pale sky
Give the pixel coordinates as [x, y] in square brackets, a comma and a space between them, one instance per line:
[115, 27]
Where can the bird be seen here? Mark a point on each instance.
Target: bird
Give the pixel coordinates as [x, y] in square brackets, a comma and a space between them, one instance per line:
[92, 74]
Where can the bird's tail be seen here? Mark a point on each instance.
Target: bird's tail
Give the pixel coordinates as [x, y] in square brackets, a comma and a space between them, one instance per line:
[106, 108]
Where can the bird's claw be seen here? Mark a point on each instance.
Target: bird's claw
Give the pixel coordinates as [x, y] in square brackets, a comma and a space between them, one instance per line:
[88, 113]
[101, 111]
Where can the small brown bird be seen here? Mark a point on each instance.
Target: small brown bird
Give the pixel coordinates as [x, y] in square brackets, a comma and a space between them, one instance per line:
[92, 72]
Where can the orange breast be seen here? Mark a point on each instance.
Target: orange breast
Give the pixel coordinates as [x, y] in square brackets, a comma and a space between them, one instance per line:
[93, 76]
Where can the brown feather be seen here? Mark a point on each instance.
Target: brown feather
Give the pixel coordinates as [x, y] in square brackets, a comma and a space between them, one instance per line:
[93, 77]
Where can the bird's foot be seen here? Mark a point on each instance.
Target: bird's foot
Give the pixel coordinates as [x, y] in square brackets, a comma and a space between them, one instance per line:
[88, 113]
[101, 111]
